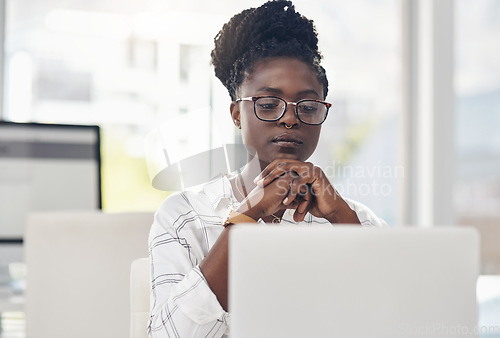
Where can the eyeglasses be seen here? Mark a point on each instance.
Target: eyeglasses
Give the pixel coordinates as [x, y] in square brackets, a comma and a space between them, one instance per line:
[271, 108]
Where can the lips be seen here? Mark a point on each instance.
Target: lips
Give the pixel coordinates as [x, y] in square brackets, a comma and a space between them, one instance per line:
[287, 140]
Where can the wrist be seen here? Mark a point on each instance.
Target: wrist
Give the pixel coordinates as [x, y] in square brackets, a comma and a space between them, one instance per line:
[236, 217]
[252, 213]
[343, 215]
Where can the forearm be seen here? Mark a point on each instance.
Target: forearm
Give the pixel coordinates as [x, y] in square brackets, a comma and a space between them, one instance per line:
[215, 268]
[343, 215]
[182, 303]
[215, 265]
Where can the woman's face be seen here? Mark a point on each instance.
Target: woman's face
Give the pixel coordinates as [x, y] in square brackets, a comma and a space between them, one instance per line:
[291, 80]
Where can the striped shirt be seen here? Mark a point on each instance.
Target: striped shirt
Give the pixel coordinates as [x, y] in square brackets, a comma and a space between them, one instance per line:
[184, 230]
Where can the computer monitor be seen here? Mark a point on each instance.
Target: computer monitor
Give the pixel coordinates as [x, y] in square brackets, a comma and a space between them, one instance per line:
[46, 167]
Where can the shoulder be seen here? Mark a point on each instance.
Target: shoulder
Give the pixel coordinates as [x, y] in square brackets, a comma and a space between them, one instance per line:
[194, 201]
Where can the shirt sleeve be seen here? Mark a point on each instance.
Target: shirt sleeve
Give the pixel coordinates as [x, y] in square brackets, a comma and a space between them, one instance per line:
[182, 303]
[366, 216]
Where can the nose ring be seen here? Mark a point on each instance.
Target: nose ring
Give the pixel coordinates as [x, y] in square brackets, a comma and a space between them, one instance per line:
[288, 127]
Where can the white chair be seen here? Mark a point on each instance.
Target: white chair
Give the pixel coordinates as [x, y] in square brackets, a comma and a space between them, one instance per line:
[140, 289]
[79, 271]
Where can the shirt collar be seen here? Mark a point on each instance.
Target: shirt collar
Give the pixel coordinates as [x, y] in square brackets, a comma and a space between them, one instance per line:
[219, 189]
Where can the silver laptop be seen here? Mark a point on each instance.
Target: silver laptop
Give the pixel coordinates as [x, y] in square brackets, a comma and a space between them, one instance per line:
[342, 281]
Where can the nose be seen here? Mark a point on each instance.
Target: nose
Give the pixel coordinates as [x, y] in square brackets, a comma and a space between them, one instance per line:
[289, 119]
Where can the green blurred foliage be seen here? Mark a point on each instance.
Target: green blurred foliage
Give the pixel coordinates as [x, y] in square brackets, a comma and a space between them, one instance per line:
[355, 138]
[125, 180]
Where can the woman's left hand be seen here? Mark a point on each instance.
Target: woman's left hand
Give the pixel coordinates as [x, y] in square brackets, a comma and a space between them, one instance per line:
[310, 185]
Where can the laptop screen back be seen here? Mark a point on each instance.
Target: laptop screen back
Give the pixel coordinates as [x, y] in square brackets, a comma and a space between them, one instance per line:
[352, 282]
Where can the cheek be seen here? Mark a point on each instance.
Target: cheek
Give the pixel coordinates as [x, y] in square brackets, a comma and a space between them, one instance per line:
[251, 127]
[314, 133]
[314, 138]
[253, 132]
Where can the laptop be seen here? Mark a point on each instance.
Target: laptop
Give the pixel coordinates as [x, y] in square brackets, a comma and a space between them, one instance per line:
[344, 281]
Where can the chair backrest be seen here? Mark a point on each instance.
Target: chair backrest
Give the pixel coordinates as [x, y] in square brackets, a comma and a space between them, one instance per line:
[140, 289]
[79, 272]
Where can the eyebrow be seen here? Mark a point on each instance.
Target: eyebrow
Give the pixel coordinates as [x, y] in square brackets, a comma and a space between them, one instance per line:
[279, 91]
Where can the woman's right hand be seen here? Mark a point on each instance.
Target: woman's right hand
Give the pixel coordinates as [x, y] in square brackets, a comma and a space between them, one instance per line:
[265, 201]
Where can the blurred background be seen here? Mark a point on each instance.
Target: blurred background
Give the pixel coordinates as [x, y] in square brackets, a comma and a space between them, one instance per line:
[136, 68]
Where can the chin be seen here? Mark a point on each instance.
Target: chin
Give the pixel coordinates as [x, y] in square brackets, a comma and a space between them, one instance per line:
[283, 155]
[289, 156]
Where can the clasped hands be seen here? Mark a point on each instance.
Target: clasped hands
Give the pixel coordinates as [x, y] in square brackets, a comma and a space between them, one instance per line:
[293, 184]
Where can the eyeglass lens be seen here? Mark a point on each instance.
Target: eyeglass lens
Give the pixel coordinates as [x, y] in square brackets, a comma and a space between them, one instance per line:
[271, 109]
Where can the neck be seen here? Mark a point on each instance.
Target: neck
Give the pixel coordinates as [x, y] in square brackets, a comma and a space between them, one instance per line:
[243, 184]
[251, 170]
[245, 179]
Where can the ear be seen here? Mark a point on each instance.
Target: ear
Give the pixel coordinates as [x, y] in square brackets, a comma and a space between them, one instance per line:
[234, 109]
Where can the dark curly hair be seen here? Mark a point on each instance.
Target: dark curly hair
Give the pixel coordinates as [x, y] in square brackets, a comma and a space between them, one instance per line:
[274, 29]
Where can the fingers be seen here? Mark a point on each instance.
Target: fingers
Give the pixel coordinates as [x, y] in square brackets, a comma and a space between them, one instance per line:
[302, 186]
[300, 198]
[298, 187]
[297, 194]
[292, 192]
[264, 201]
[303, 207]
[267, 170]
[268, 175]
[278, 168]
[289, 191]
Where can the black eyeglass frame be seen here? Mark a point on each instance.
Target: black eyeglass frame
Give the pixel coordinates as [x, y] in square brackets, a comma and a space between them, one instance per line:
[255, 98]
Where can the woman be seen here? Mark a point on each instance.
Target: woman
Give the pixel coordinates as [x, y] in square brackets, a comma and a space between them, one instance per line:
[268, 59]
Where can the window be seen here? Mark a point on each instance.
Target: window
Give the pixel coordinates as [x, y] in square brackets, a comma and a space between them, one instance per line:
[136, 67]
[478, 111]
[477, 82]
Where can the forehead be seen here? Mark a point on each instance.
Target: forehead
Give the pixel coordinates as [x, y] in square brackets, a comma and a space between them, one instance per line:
[287, 75]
